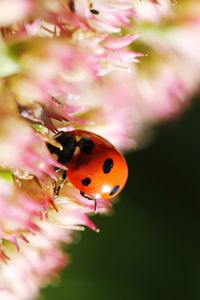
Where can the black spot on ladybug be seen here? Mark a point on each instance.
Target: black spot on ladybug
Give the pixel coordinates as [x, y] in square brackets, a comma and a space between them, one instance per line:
[86, 145]
[94, 11]
[86, 181]
[114, 190]
[108, 165]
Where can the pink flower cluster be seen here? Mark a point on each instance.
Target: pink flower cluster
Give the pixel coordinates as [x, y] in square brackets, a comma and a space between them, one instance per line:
[111, 67]
[51, 52]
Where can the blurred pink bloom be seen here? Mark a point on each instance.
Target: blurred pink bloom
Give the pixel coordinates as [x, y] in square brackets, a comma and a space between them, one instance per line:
[172, 45]
[13, 11]
[153, 11]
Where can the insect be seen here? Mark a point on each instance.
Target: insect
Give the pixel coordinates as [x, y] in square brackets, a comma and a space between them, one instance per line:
[94, 166]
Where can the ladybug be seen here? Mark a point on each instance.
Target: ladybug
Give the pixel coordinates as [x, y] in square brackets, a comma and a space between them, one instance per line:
[94, 166]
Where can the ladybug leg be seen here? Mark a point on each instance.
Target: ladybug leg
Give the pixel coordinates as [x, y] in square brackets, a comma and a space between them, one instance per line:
[57, 189]
[95, 206]
[37, 181]
[87, 197]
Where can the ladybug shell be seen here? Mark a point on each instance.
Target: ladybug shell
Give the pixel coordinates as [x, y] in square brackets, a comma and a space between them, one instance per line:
[97, 168]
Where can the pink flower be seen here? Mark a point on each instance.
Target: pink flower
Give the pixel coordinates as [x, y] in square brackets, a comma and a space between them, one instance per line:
[34, 265]
[30, 152]
[64, 66]
[17, 213]
[104, 16]
[37, 258]
[12, 11]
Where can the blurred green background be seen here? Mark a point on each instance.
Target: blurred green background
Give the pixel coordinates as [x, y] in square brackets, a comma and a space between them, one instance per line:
[150, 248]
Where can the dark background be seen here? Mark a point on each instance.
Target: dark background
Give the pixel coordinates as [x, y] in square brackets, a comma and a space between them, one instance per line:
[150, 248]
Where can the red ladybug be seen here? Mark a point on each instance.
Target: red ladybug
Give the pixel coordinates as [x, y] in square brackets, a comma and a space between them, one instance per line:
[94, 166]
